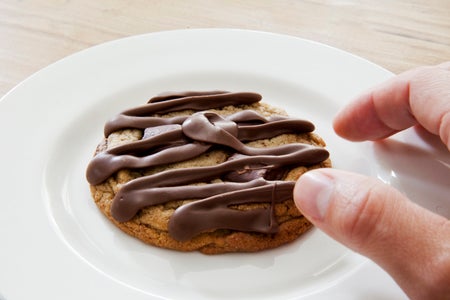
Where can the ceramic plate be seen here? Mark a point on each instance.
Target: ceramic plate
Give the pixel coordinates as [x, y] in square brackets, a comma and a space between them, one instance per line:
[57, 245]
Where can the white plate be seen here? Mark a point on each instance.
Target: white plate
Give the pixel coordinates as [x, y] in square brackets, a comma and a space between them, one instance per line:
[55, 244]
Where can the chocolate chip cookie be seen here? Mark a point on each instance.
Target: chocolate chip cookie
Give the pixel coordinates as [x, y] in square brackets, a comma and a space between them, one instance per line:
[208, 171]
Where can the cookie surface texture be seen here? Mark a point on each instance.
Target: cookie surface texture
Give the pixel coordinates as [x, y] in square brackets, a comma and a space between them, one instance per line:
[205, 171]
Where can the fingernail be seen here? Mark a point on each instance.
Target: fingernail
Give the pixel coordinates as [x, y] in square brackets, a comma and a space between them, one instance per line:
[312, 194]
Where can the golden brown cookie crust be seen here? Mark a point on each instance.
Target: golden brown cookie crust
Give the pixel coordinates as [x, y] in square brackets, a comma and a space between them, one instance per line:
[151, 223]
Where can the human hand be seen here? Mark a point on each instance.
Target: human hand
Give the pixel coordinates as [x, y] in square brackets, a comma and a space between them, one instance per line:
[411, 243]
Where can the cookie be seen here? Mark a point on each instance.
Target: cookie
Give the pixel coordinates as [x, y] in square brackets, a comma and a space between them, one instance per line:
[205, 171]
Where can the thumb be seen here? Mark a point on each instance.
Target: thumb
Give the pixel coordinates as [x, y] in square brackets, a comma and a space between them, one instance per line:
[411, 243]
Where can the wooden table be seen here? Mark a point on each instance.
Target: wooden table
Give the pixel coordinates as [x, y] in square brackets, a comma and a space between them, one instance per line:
[394, 34]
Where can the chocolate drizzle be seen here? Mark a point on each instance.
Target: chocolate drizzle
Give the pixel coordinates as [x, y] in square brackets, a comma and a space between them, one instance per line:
[251, 175]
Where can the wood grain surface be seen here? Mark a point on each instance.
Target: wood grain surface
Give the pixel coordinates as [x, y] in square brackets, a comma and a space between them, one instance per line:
[397, 35]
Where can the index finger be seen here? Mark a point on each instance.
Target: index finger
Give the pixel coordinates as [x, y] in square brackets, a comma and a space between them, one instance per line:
[419, 96]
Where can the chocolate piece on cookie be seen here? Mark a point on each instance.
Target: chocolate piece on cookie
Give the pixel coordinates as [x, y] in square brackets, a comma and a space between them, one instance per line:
[207, 171]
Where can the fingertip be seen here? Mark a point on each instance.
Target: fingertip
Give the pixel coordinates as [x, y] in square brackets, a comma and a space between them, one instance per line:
[312, 194]
[361, 120]
[340, 124]
[358, 121]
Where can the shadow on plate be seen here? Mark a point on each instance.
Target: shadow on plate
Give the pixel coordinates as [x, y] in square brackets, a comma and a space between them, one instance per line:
[420, 170]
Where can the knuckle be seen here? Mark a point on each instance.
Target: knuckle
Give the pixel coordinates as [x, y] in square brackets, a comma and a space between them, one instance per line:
[366, 222]
[438, 275]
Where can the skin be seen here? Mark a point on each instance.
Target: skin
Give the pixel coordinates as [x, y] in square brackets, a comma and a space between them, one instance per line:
[411, 243]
